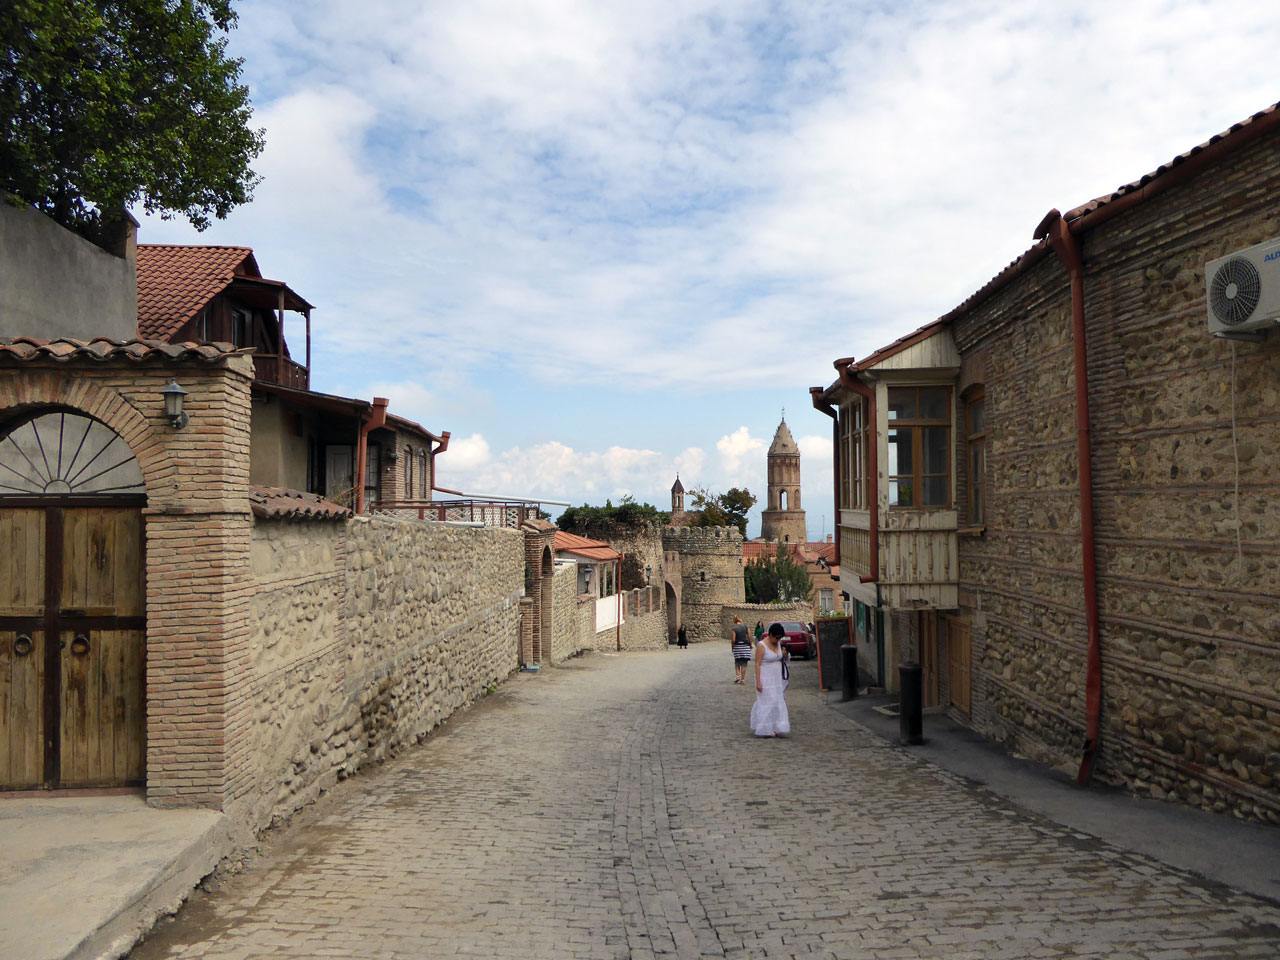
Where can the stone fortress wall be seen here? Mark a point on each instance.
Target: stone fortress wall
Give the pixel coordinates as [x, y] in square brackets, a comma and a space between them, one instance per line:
[711, 575]
[364, 636]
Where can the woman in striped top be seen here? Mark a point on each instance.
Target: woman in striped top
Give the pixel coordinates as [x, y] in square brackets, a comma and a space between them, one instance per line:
[741, 651]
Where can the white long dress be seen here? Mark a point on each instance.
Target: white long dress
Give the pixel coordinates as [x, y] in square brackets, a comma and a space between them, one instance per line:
[769, 715]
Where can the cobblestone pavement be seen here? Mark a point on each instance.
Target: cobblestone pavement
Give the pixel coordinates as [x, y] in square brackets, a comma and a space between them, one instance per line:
[619, 807]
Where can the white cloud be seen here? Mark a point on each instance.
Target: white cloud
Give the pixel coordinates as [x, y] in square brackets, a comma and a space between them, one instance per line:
[737, 447]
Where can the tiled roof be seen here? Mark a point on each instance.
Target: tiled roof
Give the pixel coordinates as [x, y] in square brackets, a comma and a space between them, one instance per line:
[806, 553]
[1102, 201]
[784, 445]
[1223, 144]
[583, 547]
[175, 281]
[102, 348]
[281, 503]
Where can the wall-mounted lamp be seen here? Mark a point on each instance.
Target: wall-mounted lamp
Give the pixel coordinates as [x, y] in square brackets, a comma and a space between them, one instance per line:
[173, 396]
[389, 456]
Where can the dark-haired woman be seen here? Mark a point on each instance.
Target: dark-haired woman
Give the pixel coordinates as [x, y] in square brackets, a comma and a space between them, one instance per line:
[769, 715]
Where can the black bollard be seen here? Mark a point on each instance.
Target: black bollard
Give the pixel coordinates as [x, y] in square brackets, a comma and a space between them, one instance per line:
[848, 672]
[910, 703]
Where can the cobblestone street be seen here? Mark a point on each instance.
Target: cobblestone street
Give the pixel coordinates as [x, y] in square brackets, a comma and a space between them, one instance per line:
[619, 807]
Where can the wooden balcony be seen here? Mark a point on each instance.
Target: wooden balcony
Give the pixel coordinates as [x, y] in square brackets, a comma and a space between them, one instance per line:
[281, 370]
[919, 568]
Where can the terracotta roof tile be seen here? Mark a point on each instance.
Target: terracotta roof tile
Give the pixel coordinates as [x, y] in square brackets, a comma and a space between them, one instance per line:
[583, 547]
[176, 280]
[1181, 158]
[102, 348]
[281, 503]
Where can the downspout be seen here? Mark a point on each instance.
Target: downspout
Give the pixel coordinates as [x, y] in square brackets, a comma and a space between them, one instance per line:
[374, 419]
[824, 405]
[618, 585]
[854, 385]
[1067, 246]
[444, 445]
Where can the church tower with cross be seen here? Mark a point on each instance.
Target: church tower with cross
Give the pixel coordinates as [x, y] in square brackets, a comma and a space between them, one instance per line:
[783, 518]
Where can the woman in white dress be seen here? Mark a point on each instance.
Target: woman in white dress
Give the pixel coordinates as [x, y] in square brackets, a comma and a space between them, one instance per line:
[769, 715]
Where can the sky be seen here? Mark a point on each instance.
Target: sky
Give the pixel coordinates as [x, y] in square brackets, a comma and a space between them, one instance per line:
[606, 243]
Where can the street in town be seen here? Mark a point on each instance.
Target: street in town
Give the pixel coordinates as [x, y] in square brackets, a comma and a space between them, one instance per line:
[618, 807]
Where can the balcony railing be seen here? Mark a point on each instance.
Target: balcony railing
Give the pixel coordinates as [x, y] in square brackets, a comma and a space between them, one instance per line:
[272, 369]
[491, 513]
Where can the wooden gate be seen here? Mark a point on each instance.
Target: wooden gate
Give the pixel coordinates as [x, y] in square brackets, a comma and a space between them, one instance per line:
[959, 658]
[72, 606]
[72, 647]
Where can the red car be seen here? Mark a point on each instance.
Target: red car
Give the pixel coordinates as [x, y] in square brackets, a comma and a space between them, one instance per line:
[798, 639]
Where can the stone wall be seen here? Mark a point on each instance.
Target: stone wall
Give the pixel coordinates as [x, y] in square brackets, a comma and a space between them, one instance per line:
[766, 612]
[364, 636]
[574, 617]
[711, 568]
[1186, 487]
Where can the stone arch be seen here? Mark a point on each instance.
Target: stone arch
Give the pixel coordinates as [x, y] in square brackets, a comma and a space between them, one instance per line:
[673, 609]
[30, 393]
[782, 499]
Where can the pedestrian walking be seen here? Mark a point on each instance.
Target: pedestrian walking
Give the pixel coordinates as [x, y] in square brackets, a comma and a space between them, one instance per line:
[682, 638]
[769, 714]
[759, 630]
[741, 644]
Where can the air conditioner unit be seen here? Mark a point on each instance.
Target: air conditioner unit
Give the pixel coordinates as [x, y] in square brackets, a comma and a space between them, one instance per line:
[1243, 291]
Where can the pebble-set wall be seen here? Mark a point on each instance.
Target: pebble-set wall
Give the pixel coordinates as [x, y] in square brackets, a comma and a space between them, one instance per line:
[365, 635]
[1189, 591]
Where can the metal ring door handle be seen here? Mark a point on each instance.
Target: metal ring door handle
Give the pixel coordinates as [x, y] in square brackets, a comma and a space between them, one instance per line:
[80, 646]
[22, 645]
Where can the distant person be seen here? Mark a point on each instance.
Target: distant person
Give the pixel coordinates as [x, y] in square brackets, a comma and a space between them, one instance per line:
[759, 630]
[682, 638]
[741, 650]
[769, 714]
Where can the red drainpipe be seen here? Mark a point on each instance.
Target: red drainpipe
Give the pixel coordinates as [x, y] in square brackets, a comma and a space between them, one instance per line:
[853, 384]
[1067, 246]
[374, 419]
[824, 405]
[618, 586]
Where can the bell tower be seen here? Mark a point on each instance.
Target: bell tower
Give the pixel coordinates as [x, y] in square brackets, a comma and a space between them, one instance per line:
[678, 518]
[783, 518]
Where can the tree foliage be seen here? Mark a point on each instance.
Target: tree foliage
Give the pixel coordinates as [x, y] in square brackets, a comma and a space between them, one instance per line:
[779, 578]
[104, 104]
[632, 572]
[727, 509]
[609, 521]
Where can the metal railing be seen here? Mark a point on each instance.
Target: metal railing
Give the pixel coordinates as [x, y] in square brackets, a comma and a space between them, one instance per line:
[490, 513]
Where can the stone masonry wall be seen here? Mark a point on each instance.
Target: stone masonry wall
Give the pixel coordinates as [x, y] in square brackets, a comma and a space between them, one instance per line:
[364, 636]
[1188, 586]
[766, 612]
[571, 632]
[711, 568]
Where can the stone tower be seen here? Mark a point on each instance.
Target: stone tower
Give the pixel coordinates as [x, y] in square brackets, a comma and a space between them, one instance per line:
[678, 517]
[783, 519]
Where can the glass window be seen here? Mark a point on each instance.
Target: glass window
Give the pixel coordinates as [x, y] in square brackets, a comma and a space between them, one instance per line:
[853, 446]
[919, 447]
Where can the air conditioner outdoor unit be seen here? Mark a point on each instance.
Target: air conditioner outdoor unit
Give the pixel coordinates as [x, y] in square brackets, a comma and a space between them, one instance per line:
[1243, 290]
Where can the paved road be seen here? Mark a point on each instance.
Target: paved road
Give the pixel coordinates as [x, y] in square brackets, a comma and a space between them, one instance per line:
[618, 807]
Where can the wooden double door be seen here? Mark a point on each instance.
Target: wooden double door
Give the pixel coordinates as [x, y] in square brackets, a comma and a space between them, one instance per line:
[72, 646]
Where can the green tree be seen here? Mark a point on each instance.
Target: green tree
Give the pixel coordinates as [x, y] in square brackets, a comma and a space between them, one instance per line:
[721, 510]
[608, 521]
[104, 104]
[779, 578]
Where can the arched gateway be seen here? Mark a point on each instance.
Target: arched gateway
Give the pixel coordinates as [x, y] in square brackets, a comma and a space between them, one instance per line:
[72, 605]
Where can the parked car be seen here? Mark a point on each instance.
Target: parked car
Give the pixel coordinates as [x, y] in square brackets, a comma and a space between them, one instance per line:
[798, 639]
